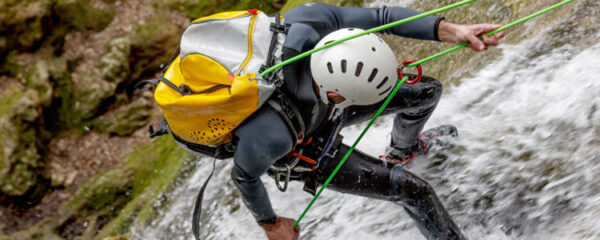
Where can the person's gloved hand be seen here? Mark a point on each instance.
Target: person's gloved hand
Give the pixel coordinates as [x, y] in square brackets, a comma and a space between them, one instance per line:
[281, 230]
[459, 33]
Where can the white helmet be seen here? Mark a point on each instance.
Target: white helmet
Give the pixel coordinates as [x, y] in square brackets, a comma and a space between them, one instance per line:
[363, 70]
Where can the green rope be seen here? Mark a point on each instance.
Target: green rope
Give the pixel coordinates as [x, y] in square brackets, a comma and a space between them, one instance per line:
[512, 24]
[377, 29]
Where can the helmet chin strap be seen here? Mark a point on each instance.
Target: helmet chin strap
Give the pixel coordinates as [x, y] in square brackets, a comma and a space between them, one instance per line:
[336, 109]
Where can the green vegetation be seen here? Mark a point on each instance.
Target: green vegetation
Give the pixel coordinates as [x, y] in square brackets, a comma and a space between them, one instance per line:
[127, 194]
[195, 9]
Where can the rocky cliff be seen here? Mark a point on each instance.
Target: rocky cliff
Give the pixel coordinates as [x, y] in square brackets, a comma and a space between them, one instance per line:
[76, 161]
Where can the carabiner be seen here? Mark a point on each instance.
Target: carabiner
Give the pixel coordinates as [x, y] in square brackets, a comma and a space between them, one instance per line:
[419, 75]
[287, 178]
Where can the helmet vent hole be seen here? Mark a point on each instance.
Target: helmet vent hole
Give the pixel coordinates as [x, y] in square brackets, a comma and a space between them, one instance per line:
[344, 63]
[350, 29]
[373, 74]
[382, 82]
[330, 67]
[373, 48]
[328, 42]
[359, 67]
[387, 90]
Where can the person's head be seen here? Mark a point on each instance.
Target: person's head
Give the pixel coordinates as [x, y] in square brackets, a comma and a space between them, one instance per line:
[361, 71]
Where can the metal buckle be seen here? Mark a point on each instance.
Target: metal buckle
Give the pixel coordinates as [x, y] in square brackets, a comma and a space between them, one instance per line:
[278, 179]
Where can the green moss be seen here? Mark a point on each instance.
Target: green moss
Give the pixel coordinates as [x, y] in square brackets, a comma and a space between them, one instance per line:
[22, 22]
[81, 16]
[123, 120]
[7, 103]
[126, 195]
[20, 166]
[157, 166]
[114, 64]
[153, 44]
[195, 9]
[61, 115]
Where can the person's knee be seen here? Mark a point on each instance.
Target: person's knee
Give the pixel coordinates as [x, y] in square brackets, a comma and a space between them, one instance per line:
[432, 87]
[406, 186]
[254, 156]
[238, 175]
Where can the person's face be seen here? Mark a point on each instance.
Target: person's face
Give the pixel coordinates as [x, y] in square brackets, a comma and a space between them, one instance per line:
[333, 97]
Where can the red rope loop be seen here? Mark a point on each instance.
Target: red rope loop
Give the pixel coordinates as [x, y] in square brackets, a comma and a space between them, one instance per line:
[419, 75]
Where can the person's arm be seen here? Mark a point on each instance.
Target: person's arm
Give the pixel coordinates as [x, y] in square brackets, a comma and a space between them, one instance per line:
[460, 33]
[428, 28]
[262, 139]
[365, 18]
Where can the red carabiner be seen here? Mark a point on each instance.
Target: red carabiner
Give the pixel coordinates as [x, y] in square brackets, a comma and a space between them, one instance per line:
[419, 75]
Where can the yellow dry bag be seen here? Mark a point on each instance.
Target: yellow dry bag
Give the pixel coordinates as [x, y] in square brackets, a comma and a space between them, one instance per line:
[212, 85]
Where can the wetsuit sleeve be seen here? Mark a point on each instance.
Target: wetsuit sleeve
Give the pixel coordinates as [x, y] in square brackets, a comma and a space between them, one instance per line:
[263, 139]
[365, 18]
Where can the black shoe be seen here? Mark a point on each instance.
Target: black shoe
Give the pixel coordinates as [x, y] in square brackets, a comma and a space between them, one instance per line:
[435, 137]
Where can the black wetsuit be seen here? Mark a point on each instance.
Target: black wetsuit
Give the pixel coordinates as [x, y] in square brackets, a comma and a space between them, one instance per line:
[264, 138]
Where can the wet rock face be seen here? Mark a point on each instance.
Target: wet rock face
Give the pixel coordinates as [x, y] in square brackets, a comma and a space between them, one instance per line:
[19, 158]
[26, 25]
[67, 71]
[31, 37]
[195, 9]
[22, 19]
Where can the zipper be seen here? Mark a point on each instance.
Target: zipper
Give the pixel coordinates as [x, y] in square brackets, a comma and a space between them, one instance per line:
[250, 33]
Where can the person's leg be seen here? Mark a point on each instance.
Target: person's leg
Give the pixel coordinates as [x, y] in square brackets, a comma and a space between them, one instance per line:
[367, 176]
[413, 106]
[263, 139]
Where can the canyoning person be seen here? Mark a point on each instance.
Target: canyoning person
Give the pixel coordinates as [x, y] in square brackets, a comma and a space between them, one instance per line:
[338, 87]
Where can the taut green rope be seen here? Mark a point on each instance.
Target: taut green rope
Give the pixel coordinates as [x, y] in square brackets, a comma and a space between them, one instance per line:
[512, 24]
[377, 29]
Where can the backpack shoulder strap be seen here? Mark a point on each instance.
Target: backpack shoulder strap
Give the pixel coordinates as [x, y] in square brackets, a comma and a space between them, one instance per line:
[198, 205]
[277, 28]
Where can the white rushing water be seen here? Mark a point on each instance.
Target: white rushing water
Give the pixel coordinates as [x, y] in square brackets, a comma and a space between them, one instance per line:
[525, 166]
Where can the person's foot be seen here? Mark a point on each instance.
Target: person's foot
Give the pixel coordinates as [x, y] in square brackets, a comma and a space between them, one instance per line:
[435, 137]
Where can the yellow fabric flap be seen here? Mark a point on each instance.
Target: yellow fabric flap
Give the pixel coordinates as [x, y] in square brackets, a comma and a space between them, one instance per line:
[200, 79]
[209, 118]
[223, 15]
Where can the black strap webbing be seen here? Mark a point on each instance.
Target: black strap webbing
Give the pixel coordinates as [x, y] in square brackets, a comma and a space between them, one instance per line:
[277, 28]
[290, 114]
[198, 205]
[162, 129]
[143, 83]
